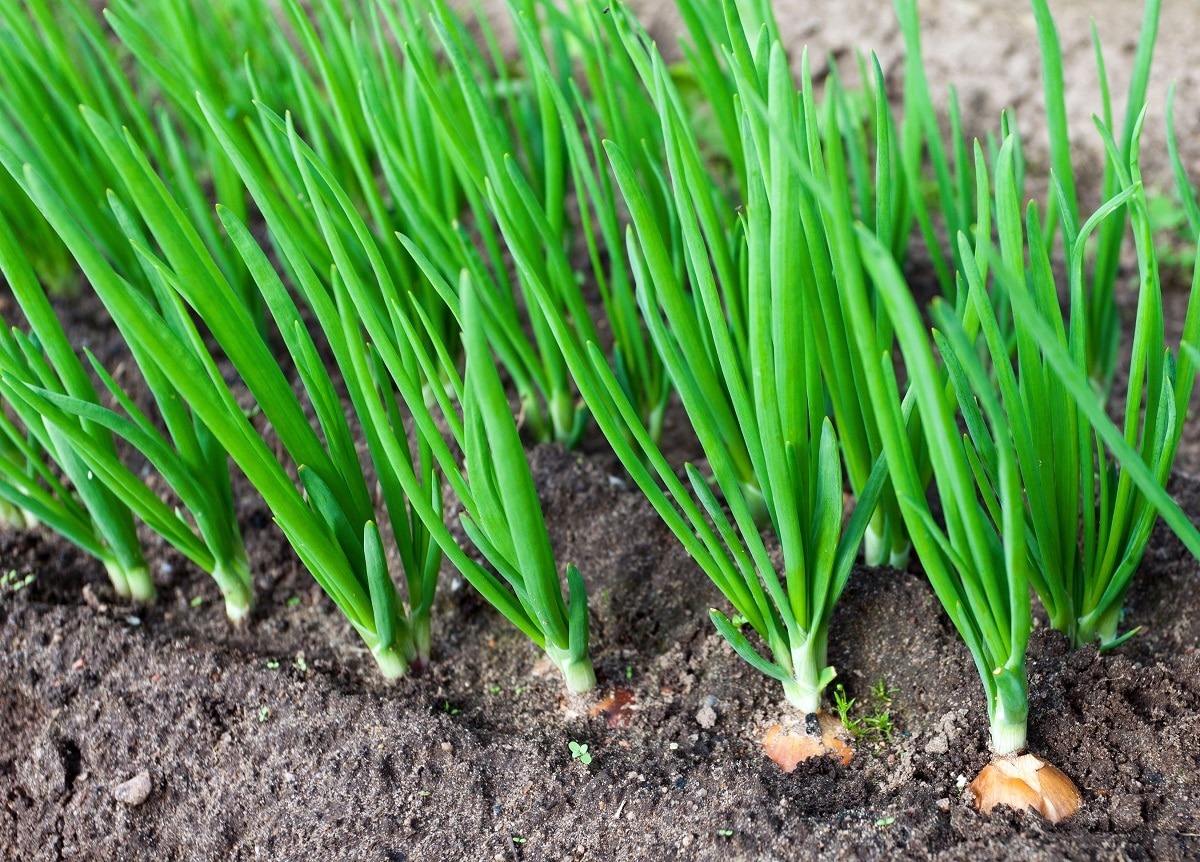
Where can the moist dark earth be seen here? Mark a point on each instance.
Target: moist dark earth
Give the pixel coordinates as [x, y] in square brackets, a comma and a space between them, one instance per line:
[279, 741]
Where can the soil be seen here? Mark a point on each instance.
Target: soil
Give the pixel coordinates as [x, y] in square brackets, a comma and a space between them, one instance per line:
[278, 740]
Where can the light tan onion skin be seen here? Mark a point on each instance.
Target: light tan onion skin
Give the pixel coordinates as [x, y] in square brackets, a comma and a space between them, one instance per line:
[1023, 781]
[818, 734]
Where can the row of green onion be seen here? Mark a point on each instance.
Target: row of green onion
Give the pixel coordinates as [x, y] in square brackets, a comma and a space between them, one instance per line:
[459, 248]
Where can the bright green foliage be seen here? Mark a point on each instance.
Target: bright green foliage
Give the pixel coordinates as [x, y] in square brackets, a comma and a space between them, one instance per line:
[1031, 472]
[190, 461]
[1072, 484]
[523, 154]
[954, 167]
[1103, 316]
[758, 409]
[92, 517]
[977, 564]
[501, 513]
[833, 143]
[55, 57]
[332, 524]
[954, 176]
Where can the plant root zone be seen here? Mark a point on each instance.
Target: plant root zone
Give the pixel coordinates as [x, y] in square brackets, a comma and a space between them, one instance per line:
[817, 734]
[1026, 781]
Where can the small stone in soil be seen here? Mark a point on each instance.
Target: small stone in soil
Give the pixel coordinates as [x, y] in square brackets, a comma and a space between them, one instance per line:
[706, 717]
[135, 791]
[938, 745]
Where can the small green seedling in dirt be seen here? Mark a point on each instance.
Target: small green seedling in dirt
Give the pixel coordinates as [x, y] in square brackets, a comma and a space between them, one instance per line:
[301, 663]
[263, 713]
[196, 601]
[725, 833]
[293, 602]
[450, 710]
[273, 665]
[885, 821]
[15, 582]
[882, 693]
[580, 752]
[877, 726]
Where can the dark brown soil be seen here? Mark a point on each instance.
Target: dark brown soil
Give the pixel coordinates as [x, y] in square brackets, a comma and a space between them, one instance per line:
[279, 741]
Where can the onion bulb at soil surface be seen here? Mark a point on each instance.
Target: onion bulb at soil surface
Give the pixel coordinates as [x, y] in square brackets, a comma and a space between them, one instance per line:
[818, 734]
[1023, 781]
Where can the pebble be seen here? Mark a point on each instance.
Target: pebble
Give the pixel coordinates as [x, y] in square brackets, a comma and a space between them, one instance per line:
[706, 717]
[135, 791]
[943, 804]
[448, 746]
[938, 745]
[1125, 812]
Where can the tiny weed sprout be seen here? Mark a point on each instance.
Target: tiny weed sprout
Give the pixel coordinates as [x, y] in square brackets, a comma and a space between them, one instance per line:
[10, 580]
[876, 726]
[580, 752]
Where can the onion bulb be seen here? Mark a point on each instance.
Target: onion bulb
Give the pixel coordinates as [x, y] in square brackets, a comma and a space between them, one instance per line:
[818, 734]
[1023, 781]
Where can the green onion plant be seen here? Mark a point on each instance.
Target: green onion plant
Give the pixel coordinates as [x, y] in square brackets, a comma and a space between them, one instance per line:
[193, 466]
[833, 148]
[56, 57]
[501, 513]
[72, 500]
[1102, 312]
[768, 401]
[330, 519]
[1087, 522]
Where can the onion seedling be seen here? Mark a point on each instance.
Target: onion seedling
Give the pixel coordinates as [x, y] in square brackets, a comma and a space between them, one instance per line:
[194, 467]
[1103, 317]
[477, 138]
[954, 181]
[331, 523]
[98, 522]
[59, 56]
[768, 398]
[1087, 523]
[501, 513]
[978, 563]
[832, 133]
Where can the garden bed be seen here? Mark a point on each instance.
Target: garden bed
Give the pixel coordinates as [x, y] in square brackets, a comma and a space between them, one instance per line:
[278, 740]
